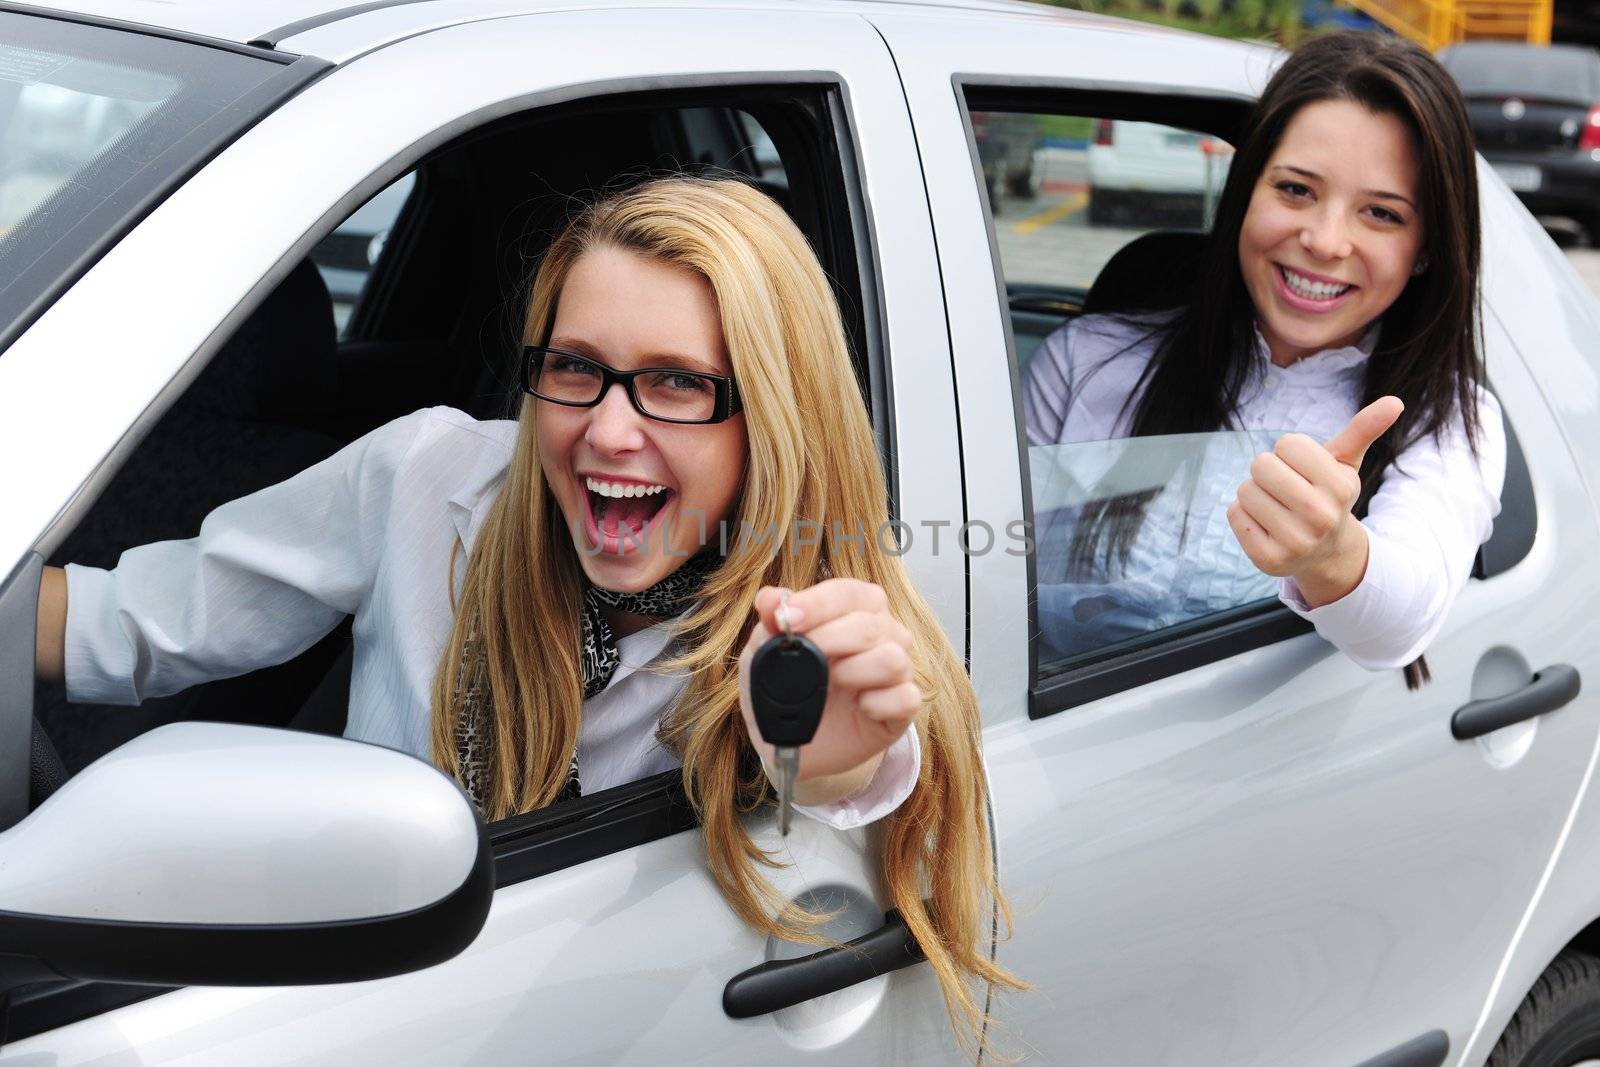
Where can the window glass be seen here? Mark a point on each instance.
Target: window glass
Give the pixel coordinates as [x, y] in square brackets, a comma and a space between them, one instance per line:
[731, 139]
[346, 256]
[763, 153]
[1132, 537]
[1095, 215]
[92, 121]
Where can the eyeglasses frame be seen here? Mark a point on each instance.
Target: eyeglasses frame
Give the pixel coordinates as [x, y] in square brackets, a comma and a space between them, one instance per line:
[726, 405]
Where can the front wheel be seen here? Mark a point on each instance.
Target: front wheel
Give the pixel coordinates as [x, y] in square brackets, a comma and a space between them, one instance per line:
[1558, 1023]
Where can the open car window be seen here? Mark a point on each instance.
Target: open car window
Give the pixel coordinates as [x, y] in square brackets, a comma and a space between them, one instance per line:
[1071, 191]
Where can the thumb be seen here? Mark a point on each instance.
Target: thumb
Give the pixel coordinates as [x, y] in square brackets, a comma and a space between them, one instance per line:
[1349, 446]
[768, 597]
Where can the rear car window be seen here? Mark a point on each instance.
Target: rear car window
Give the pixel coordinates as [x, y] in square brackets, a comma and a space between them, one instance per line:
[94, 123]
[1518, 71]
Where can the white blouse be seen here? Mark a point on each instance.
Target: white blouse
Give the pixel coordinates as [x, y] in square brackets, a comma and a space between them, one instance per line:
[1435, 506]
[367, 532]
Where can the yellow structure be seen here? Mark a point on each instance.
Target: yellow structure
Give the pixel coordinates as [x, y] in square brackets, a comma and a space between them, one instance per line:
[1436, 23]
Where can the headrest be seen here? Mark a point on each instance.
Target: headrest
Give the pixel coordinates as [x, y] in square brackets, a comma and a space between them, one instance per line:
[280, 361]
[1154, 271]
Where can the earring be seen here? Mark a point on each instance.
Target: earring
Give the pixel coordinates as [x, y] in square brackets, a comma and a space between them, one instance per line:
[1421, 267]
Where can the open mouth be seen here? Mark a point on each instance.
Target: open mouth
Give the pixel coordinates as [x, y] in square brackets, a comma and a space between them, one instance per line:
[1311, 294]
[622, 512]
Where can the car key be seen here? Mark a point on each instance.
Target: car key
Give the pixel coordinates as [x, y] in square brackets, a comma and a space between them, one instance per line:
[788, 689]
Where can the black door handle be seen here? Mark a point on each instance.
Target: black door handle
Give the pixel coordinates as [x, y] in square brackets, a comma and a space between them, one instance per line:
[784, 983]
[1551, 688]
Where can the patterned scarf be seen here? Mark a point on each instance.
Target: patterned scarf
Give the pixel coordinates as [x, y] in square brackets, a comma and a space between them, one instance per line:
[597, 657]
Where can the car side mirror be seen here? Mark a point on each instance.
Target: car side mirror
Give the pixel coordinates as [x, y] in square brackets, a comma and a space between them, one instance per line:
[216, 854]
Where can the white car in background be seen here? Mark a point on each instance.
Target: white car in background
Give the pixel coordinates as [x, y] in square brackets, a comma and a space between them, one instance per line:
[1225, 844]
[1139, 171]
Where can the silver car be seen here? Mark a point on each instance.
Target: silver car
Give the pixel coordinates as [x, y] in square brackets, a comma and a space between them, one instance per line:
[1225, 843]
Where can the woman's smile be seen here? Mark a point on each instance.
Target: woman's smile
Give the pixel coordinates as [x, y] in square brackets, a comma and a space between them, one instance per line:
[1305, 291]
[622, 514]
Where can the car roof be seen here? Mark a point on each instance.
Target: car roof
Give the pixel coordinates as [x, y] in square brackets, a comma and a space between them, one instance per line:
[268, 22]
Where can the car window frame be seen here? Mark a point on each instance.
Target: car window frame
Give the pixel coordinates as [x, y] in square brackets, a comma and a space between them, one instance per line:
[1176, 649]
[636, 813]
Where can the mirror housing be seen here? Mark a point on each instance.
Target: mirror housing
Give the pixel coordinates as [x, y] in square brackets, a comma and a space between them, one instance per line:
[217, 854]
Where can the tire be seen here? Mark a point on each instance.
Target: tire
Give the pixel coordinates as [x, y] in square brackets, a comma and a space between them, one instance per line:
[1102, 210]
[1558, 1023]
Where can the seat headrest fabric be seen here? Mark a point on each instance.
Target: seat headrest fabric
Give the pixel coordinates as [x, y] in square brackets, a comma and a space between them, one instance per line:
[280, 361]
[1153, 272]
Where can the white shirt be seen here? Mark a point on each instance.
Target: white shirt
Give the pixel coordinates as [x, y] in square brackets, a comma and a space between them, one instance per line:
[367, 532]
[1437, 502]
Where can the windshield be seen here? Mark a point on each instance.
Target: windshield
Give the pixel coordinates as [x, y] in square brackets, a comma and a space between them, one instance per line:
[95, 125]
[1553, 73]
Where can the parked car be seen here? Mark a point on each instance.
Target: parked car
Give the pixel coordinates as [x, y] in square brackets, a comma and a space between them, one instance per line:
[1139, 171]
[1536, 112]
[1006, 144]
[1225, 844]
[345, 257]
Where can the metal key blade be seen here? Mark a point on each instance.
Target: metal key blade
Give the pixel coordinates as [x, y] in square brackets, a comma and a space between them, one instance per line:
[788, 689]
[788, 771]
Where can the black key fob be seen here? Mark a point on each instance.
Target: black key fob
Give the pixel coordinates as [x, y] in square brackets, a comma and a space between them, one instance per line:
[788, 689]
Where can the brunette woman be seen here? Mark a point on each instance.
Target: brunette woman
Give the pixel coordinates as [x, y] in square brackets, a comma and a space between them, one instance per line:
[1337, 298]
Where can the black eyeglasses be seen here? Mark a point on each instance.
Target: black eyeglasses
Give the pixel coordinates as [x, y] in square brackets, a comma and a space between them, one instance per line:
[666, 394]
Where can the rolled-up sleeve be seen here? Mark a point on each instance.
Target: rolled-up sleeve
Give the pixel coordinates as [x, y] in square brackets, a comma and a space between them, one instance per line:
[894, 780]
[267, 577]
[1436, 505]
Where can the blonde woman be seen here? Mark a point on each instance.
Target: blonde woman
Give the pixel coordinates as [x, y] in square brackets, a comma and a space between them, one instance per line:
[570, 601]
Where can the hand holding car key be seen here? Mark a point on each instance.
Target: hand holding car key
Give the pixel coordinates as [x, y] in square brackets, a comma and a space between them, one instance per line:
[848, 700]
[788, 689]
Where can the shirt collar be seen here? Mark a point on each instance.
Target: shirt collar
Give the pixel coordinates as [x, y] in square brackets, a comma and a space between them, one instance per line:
[480, 484]
[643, 648]
[1328, 363]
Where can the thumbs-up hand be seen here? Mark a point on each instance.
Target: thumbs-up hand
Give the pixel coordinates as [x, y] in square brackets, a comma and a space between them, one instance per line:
[1292, 516]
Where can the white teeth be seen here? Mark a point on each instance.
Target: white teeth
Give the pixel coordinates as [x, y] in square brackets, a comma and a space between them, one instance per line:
[1302, 286]
[620, 489]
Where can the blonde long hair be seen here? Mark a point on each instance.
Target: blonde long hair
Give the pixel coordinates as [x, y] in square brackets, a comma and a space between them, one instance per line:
[812, 456]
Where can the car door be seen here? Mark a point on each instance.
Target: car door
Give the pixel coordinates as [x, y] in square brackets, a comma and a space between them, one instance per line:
[1229, 844]
[608, 940]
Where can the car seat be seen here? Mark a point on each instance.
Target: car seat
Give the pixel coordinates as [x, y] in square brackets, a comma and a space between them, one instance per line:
[245, 423]
[1154, 271]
